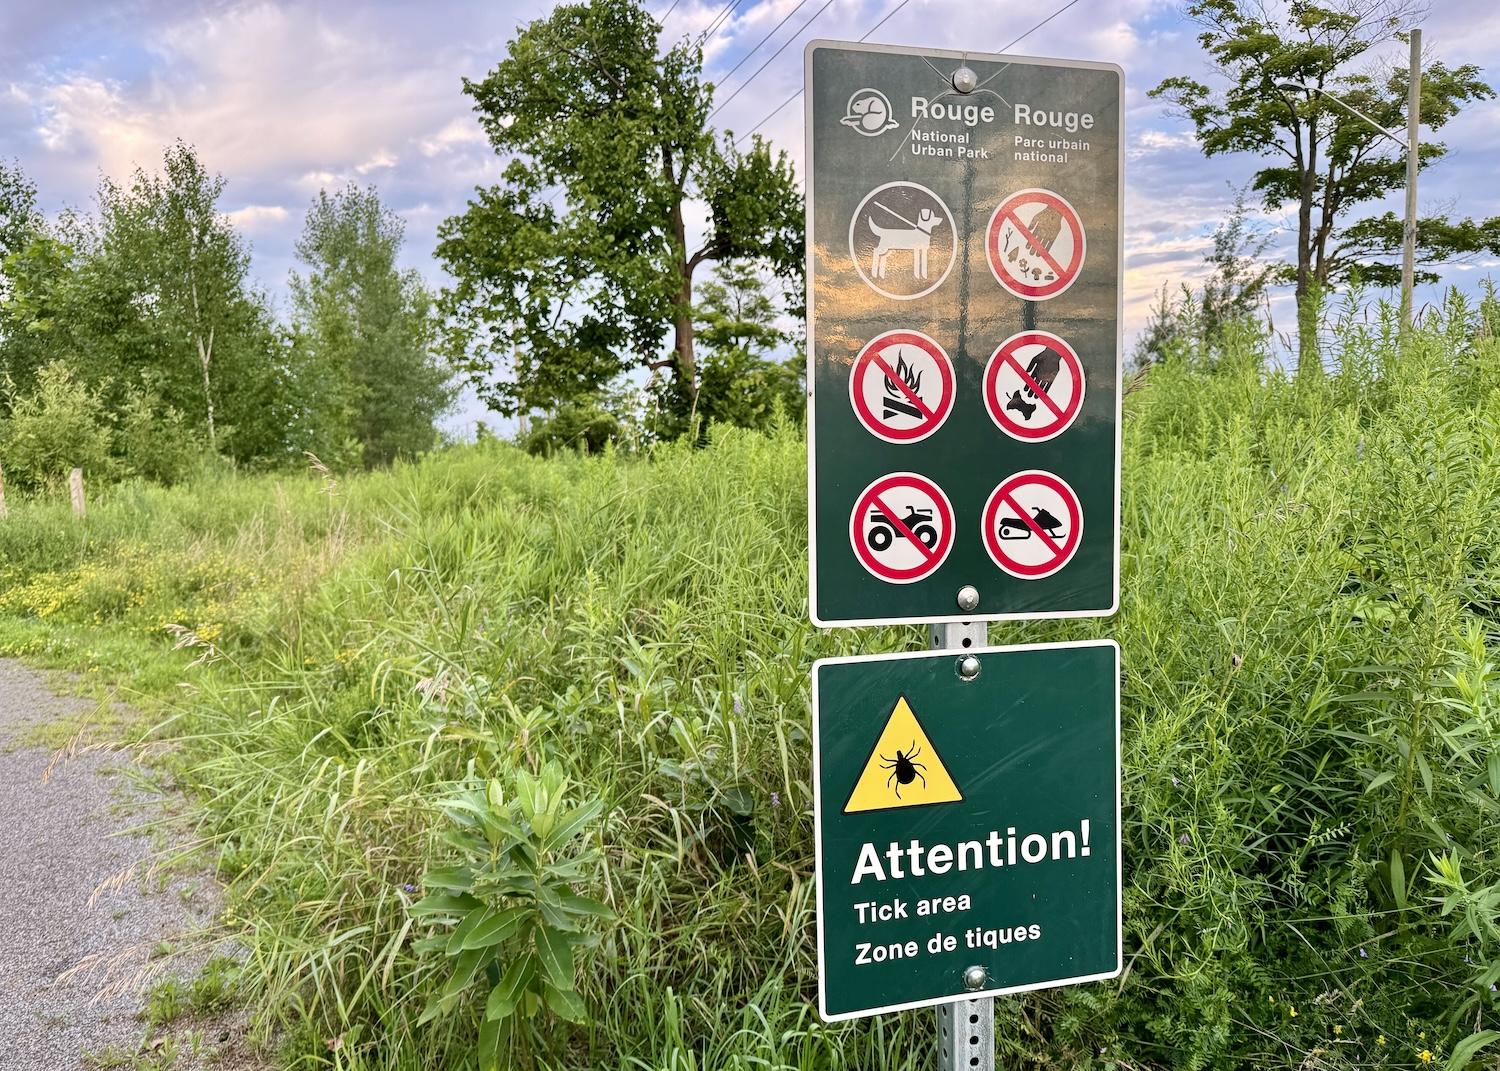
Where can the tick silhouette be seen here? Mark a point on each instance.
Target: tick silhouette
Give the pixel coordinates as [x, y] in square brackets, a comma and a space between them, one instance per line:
[903, 770]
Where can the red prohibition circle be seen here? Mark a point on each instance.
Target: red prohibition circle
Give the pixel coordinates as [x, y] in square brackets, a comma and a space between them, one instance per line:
[1066, 273]
[870, 362]
[897, 529]
[1062, 552]
[1063, 416]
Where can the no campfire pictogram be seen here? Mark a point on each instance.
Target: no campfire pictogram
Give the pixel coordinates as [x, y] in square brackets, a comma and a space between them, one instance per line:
[901, 386]
[1033, 386]
[1033, 524]
[902, 527]
[1035, 244]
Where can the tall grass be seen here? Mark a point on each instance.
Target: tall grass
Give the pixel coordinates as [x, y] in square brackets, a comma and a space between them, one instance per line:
[1311, 722]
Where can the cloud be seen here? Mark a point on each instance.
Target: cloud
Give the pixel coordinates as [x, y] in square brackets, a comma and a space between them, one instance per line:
[253, 218]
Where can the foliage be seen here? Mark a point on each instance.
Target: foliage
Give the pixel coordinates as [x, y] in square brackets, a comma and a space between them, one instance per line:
[59, 426]
[156, 288]
[513, 915]
[363, 330]
[18, 212]
[1326, 161]
[1311, 720]
[587, 425]
[1232, 298]
[589, 105]
[742, 382]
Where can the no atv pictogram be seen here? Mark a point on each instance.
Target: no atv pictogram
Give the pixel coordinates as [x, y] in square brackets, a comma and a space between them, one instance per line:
[902, 527]
[1035, 244]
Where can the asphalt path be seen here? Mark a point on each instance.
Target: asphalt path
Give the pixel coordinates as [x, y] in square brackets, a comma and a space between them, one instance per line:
[66, 825]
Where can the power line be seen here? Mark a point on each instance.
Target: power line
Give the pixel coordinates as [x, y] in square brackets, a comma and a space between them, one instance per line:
[763, 40]
[725, 102]
[719, 20]
[668, 13]
[772, 113]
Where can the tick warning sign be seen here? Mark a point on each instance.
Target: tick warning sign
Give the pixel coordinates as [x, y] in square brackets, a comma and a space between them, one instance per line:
[1032, 524]
[1035, 244]
[1033, 386]
[901, 527]
[903, 770]
[901, 386]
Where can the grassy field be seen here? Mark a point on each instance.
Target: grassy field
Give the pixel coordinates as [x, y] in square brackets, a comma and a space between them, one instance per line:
[372, 679]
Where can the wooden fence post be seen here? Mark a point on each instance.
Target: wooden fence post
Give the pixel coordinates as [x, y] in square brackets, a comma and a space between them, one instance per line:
[75, 487]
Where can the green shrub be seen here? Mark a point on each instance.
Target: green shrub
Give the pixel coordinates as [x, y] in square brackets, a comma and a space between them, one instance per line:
[59, 426]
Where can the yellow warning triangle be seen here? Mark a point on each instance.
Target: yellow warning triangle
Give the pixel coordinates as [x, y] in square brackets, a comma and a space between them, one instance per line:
[903, 770]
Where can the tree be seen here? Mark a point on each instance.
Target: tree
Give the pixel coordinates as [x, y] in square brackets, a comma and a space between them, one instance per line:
[1233, 293]
[1327, 161]
[741, 381]
[166, 238]
[588, 103]
[19, 218]
[363, 330]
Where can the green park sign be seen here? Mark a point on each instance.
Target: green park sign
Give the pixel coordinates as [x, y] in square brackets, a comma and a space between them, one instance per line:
[963, 330]
[968, 824]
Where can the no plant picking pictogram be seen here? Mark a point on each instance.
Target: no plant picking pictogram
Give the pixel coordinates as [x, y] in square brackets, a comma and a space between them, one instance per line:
[1035, 244]
[901, 386]
[1033, 386]
[902, 527]
[1033, 524]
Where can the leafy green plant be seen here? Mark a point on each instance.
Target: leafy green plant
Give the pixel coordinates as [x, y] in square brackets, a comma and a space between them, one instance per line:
[512, 915]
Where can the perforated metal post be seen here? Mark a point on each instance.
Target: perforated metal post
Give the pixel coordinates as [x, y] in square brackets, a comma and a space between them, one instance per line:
[966, 1029]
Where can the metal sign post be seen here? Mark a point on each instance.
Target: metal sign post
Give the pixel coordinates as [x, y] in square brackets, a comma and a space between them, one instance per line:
[966, 1028]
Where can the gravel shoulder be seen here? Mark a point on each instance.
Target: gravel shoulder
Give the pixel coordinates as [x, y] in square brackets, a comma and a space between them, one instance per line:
[77, 948]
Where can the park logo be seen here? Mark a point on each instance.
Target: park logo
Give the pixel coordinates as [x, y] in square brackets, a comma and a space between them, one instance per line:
[869, 113]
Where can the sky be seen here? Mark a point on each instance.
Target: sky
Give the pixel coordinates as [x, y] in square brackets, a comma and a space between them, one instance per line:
[286, 98]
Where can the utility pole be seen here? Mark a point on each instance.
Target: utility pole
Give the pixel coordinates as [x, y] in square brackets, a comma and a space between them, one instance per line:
[1409, 226]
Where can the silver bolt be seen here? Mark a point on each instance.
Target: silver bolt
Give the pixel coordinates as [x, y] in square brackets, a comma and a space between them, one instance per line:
[965, 80]
[975, 977]
[968, 667]
[968, 597]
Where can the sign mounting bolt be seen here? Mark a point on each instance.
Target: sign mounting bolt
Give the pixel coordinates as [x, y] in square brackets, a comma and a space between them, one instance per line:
[974, 978]
[965, 80]
[968, 597]
[968, 667]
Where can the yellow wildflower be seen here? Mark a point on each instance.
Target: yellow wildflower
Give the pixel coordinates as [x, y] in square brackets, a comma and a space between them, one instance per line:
[1380, 1040]
[1294, 1011]
[1338, 1029]
[1425, 1056]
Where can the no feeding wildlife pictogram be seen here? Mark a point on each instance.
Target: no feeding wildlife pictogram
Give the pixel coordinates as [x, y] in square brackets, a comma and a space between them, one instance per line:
[902, 527]
[901, 386]
[1033, 386]
[901, 240]
[1035, 244]
[1032, 524]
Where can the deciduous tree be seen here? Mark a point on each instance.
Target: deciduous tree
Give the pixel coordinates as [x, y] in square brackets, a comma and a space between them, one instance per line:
[363, 331]
[579, 264]
[1325, 161]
